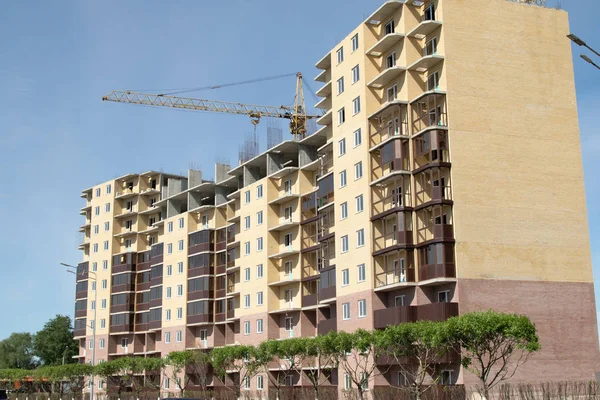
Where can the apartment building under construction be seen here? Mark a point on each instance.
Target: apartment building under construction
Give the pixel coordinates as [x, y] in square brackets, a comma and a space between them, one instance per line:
[445, 177]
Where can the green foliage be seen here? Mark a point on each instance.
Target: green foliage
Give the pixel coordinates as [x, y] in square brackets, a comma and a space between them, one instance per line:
[17, 351]
[493, 344]
[54, 342]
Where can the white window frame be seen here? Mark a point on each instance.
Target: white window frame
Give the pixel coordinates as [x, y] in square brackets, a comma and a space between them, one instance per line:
[347, 382]
[106, 226]
[358, 171]
[344, 244]
[259, 271]
[170, 226]
[246, 328]
[101, 344]
[259, 298]
[247, 197]
[355, 74]
[98, 192]
[179, 312]
[355, 42]
[341, 147]
[259, 191]
[356, 106]
[168, 292]
[247, 274]
[392, 93]
[169, 270]
[259, 244]
[343, 211]
[168, 314]
[360, 237]
[260, 382]
[340, 86]
[341, 116]
[340, 55]
[345, 277]
[362, 308]
[390, 27]
[169, 248]
[179, 268]
[360, 203]
[179, 290]
[346, 311]
[180, 245]
[259, 218]
[246, 248]
[361, 272]
[246, 301]
[178, 336]
[357, 137]
[259, 326]
[343, 179]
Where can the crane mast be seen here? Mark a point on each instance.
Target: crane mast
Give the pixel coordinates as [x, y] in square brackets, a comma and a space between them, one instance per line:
[296, 114]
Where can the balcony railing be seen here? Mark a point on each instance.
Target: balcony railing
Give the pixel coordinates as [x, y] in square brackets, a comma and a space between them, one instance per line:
[429, 112]
[391, 157]
[437, 271]
[394, 316]
[327, 325]
[437, 311]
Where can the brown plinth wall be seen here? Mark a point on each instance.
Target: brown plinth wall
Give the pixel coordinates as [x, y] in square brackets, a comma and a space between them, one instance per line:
[564, 315]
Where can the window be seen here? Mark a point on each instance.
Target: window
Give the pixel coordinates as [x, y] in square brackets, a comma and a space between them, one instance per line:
[246, 274]
[344, 243]
[124, 343]
[105, 264]
[362, 273]
[97, 210]
[390, 60]
[93, 285]
[103, 304]
[356, 105]
[345, 277]
[360, 206]
[287, 268]
[168, 294]
[170, 248]
[246, 248]
[169, 270]
[357, 138]
[181, 223]
[168, 336]
[259, 298]
[430, 47]
[344, 210]
[205, 221]
[287, 240]
[340, 55]
[287, 187]
[342, 147]
[168, 315]
[259, 326]
[287, 214]
[288, 295]
[179, 313]
[259, 192]
[180, 245]
[355, 74]
[179, 290]
[341, 116]
[92, 305]
[259, 380]
[104, 283]
[444, 296]
[446, 378]
[98, 192]
[96, 229]
[360, 237]
[259, 218]
[399, 301]
[107, 207]
[429, 13]
[347, 382]
[203, 334]
[340, 85]
[433, 81]
[247, 222]
[346, 311]
[259, 271]
[93, 325]
[289, 324]
[247, 383]
[247, 328]
[354, 42]
[343, 178]
[247, 197]
[95, 248]
[178, 337]
[180, 268]
[358, 170]
[259, 244]
[247, 301]
[389, 27]
[94, 267]
[91, 344]
[102, 342]
[362, 308]
[392, 93]
[166, 382]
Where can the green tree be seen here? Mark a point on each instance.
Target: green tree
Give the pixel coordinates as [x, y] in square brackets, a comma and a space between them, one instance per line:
[320, 360]
[181, 362]
[17, 351]
[494, 345]
[233, 365]
[417, 349]
[55, 343]
[285, 355]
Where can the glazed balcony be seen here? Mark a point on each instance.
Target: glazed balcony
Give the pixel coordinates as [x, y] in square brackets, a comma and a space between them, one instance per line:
[200, 288]
[232, 239]
[390, 196]
[394, 269]
[310, 292]
[326, 225]
[286, 189]
[392, 232]
[433, 186]
[325, 192]
[437, 311]
[201, 264]
[233, 284]
[143, 261]
[82, 271]
[123, 263]
[327, 290]
[429, 112]
[394, 316]
[309, 208]
[220, 263]
[221, 239]
[390, 160]
[390, 121]
[309, 236]
[156, 253]
[201, 241]
[142, 281]
[435, 223]
[220, 287]
[80, 326]
[80, 308]
[123, 283]
[122, 303]
[232, 259]
[436, 263]
[430, 149]
[156, 275]
[427, 23]
[325, 326]
[326, 159]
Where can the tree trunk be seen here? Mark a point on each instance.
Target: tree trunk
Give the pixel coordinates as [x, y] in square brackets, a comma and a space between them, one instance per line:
[316, 389]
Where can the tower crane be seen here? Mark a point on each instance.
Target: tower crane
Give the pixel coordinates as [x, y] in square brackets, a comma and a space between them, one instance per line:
[296, 114]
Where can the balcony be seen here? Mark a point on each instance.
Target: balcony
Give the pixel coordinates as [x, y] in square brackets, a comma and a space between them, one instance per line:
[386, 76]
[220, 317]
[200, 271]
[121, 328]
[221, 240]
[127, 212]
[389, 121]
[126, 287]
[429, 112]
[123, 263]
[392, 232]
[143, 261]
[156, 254]
[436, 264]
[433, 272]
[201, 241]
[81, 295]
[156, 302]
[284, 224]
[391, 159]
[433, 186]
[324, 90]
[384, 44]
[430, 149]
[127, 307]
[394, 270]
[326, 325]
[125, 193]
[143, 327]
[201, 295]
[284, 197]
[154, 325]
[327, 294]
[391, 196]
[394, 316]
[142, 306]
[424, 28]
[230, 314]
[324, 103]
[437, 311]
[284, 251]
[310, 300]
[435, 223]
[385, 12]
[426, 62]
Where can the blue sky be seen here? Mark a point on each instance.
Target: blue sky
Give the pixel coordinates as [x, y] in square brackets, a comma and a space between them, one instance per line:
[57, 137]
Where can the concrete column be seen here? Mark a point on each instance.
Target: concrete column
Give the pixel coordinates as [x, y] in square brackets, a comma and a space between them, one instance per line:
[251, 175]
[306, 154]
[220, 195]
[274, 163]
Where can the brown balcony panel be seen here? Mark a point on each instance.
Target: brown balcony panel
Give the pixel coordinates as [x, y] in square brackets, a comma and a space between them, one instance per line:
[327, 293]
[230, 314]
[437, 311]
[393, 316]
[80, 313]
[310, 300]
[443, 232]
[327, 325]
[82, 277]
[141, 327]
[81, 295]
[142, 306]
[143, 286]
[220, 317]
[155, 303]
[143, 266]
[200, 319]
[156, 260]
[154, 325]
[121, 328]
[123, 268]
[200, 271]
[79, 332]
[128, 287]
[220, 269]
[200, 294]
[220, 246]
[326, 237]
[122, 308]
[219, 293]
[435, 271]
[404, 238]
[202, 247]
[156, 281]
